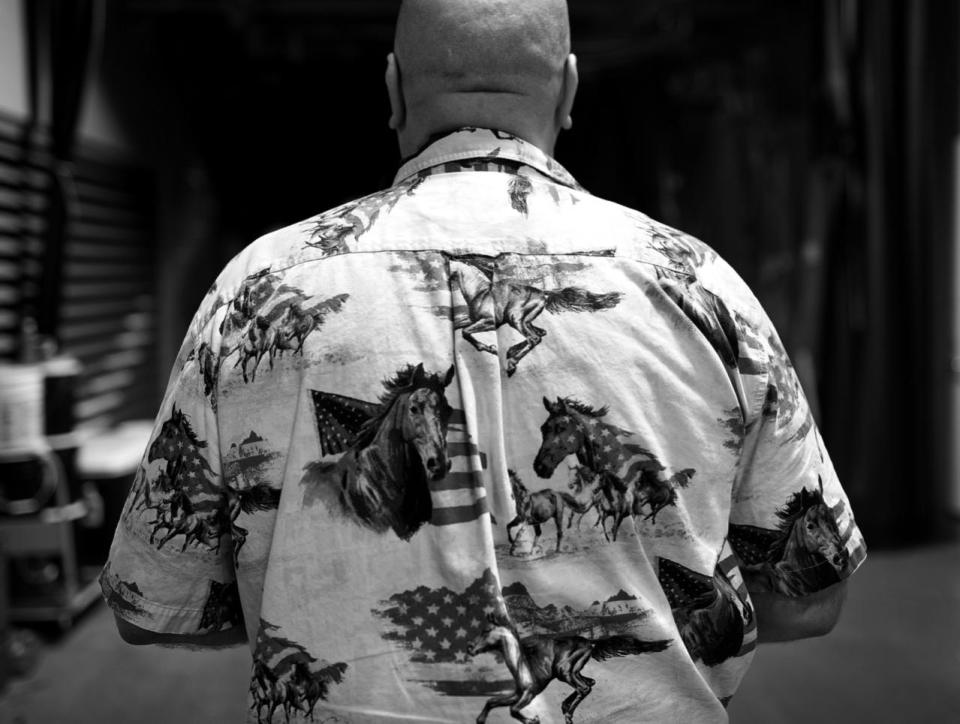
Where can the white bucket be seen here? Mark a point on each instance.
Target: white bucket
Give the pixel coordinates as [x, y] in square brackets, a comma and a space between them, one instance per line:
[21, 407]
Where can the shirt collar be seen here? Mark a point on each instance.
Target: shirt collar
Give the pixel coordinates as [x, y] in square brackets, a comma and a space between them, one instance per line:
[468, 143]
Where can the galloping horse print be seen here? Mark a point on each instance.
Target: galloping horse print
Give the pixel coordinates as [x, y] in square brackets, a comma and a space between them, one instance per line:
[608, 496]
[188, 498]
[292, 330]
[206, 360]
[255, 344]
[330, 231]
[265, 316]
[492, 302]
[185, 496]
[287, 676]
[284, 327]
[630, 475]
[389, 451]
[581, 485]
[805, 554]
[538, 507]
[535, 661]
[201, 522]
[255, 290]
[656, 491]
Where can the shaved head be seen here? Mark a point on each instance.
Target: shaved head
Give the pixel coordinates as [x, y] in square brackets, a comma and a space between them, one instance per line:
[474, 62]
[512, 46]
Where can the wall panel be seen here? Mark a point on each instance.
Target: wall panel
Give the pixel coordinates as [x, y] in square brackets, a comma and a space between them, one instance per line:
[108, 280]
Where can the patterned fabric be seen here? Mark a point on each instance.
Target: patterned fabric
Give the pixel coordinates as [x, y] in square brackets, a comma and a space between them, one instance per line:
[473, 435]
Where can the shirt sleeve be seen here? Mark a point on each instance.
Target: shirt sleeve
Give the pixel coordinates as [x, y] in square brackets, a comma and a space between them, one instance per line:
[171, 567]
[790, 520]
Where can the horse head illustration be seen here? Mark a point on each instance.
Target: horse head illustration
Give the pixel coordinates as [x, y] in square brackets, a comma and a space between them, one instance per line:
[413, 418]
[175, 434]
[563, 434]
[392, 455]
[424, 419]
[816, 530]
[808, 552]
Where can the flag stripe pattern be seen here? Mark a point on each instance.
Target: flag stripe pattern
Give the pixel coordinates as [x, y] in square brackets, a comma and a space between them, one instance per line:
[460, 496]
[460, 513]
[728, 565]
[859, 550]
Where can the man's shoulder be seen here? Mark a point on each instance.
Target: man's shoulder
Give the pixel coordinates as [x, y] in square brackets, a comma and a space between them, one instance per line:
[564, 221]
[325, 234]
[670, 247]
[267, 254]
[688, 259]
[302, 241]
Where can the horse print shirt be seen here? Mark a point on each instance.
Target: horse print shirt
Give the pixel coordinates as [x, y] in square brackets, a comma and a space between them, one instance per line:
[481, 445]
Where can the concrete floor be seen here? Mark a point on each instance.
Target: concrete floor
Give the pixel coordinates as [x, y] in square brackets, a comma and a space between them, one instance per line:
[894, 658]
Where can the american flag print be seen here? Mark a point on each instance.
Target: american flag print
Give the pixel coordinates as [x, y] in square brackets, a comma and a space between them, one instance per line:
[756, 548]
[339, 420]
[177, 441]
[222, 607]
[460, 497]
[713, 613]
[457, 498]
[728, 567]
[178, 444]
[287, 676]
[183, 491]
[436, 625]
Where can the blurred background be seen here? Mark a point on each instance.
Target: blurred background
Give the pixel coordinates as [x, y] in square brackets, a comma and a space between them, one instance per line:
[812, 143]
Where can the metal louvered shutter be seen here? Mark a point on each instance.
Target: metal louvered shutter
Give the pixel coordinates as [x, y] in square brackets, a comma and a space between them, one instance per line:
[108, 302]
[24, 185]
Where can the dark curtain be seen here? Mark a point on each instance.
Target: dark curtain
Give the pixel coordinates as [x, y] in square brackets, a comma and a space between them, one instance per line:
[63, 36]
[892, 75]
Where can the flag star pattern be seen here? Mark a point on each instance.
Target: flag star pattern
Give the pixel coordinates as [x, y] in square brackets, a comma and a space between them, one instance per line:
[339, 420]
[688, 590]
[191, 461]
[676, 431]
[436, 625]
[752, 543]
[683, 586]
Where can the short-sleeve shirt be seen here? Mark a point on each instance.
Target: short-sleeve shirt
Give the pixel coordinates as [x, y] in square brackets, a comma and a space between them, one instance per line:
[475, 441]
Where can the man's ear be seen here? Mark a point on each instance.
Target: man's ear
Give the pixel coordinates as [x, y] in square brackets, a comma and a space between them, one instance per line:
[570, 82]
[398, 110]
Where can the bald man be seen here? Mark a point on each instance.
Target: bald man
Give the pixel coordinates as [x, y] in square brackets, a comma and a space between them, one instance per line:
[482, 444]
